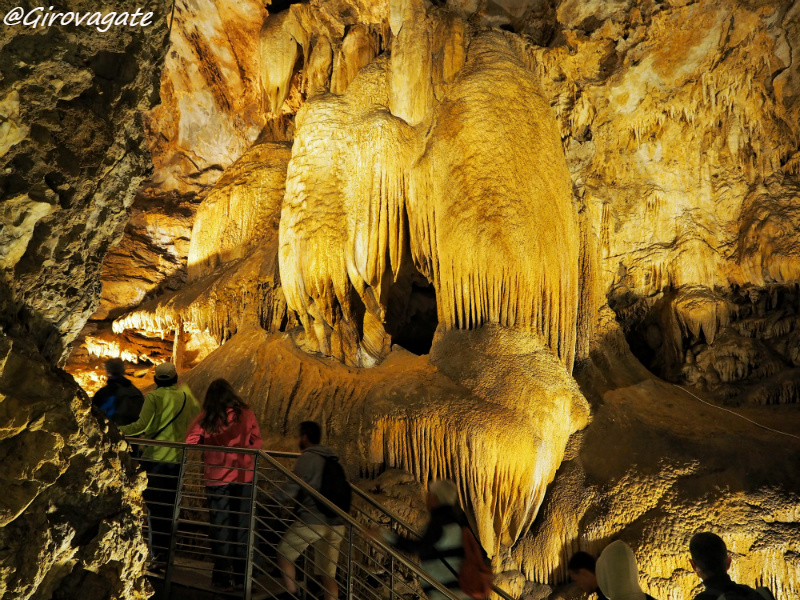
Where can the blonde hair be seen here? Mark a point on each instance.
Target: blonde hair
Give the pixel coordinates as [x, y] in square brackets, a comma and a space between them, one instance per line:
[445, 491]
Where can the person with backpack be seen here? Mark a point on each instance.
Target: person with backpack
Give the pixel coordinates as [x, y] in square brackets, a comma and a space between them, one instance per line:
[316, 524]
[618, 574]
[118, 400]
[166, 414]
[711, 562]
[448, 550]
[228, 476]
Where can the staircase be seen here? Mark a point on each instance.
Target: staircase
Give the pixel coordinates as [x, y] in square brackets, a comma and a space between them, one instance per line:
[368, 569]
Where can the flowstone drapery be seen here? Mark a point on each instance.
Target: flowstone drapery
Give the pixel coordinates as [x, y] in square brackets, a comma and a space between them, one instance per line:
[375, 207]
[518, 194]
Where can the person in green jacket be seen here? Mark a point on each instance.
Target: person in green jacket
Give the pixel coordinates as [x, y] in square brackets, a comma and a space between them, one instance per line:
[166, 414]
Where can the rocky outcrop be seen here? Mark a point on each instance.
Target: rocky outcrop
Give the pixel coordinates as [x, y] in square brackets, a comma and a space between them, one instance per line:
[491, 408]
[680, 125]
[427, 194]
[72, 154]
[71, 511]
[71, 162]
[656, 466]
[211, 75]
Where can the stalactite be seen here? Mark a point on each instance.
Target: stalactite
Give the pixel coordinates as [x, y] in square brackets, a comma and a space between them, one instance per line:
[279, 50]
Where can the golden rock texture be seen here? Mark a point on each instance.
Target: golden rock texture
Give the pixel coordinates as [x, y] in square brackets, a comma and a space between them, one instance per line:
[72, 154]
[396, 199]
[516, 191]
[210, 76]
[464, 411]
[680, 125]
[655, 467]
[71, 508]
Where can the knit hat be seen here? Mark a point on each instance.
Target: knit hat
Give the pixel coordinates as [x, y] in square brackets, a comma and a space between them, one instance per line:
[617, 573]
[115, 366]
[165, 371]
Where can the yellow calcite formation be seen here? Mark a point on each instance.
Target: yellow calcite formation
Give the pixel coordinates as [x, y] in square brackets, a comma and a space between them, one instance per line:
[211, 75]
[429, 150]
[366, 193]
[491, 409]
[232, 270]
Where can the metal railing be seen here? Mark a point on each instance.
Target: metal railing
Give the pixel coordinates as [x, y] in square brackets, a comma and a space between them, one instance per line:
[224, 536]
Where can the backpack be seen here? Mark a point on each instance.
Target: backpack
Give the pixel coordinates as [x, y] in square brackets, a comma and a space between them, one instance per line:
[475, 575]
[129, 402]
[334, 487]
[747, 593]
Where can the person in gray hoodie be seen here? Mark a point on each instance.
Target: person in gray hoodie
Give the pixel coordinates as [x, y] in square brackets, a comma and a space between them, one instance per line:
[311, 527]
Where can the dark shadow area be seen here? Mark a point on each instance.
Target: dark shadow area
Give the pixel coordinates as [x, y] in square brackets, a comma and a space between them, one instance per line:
[415, 332]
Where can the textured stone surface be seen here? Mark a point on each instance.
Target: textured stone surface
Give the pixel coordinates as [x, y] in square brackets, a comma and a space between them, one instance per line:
[72, 160]
[656, 466]
[71, 509]
[679, 124]
[211, 75]
[462, 412]
[72, 153]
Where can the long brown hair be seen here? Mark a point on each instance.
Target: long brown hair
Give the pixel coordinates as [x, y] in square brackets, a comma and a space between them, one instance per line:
[219, 398]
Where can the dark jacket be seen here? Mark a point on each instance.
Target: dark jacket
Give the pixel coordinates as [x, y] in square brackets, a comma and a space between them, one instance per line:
[119, 400]
[309, 468]
[442, 539]
[723, 584]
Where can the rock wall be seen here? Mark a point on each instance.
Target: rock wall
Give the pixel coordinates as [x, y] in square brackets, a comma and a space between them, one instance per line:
[679, 122]
[72, 154]
[71, 511]
[71, 163]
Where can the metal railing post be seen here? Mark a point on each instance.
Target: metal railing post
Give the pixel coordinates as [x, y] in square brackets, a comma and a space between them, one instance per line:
[349, 582]
[176, 511]
[391, 577]
[251, 533]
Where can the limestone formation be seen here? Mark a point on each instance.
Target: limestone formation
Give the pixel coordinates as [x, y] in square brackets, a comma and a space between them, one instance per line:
[72, 154]
[519, 193]
[210, 76]
[464, 412]
[71, 511]
[72, 114]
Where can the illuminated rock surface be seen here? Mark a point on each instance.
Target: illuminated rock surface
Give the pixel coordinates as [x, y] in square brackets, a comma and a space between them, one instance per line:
[71, 508]
[426, 204]
[72, 153]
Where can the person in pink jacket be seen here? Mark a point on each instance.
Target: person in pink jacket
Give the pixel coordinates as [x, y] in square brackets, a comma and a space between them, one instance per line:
[227, 421]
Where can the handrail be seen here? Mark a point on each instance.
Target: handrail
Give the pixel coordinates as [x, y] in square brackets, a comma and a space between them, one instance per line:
[369, 499]
[353, 523]
[270, 456]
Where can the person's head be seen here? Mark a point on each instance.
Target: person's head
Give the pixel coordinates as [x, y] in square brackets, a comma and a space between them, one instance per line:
[115, 367]
[581, 570]
[709, 555]
[617, 573]
[441, 492]
[219, 398]
[310, 434]
[165, 375]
